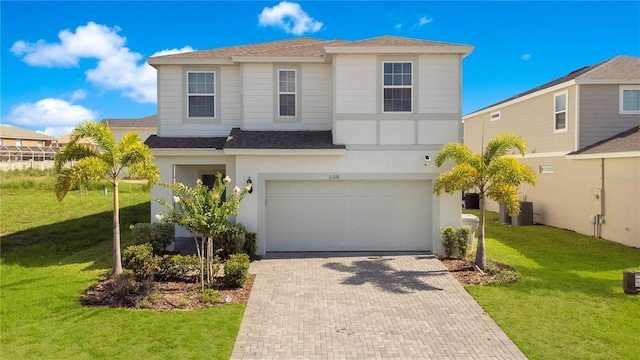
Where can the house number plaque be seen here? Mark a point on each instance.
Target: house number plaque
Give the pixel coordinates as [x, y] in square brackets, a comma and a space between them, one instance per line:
[334, 177]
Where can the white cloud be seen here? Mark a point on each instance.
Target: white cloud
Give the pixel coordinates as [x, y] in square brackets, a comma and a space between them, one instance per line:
[525, 57]
[55, 115]
[90, 41]
[79, 94]
[398, 26]
[118, 67]
[290, 17]
[424, 21]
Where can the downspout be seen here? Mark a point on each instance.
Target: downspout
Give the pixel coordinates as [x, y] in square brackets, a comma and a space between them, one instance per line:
[602, 198]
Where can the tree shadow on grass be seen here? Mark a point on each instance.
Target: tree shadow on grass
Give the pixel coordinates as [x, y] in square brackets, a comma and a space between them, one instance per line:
[85, 239]
[380, 274]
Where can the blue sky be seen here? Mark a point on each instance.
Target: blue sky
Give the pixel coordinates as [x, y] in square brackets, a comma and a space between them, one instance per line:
[65, 62]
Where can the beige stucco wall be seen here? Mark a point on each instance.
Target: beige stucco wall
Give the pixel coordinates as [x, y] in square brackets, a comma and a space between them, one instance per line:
[564, 199]
[532, 119]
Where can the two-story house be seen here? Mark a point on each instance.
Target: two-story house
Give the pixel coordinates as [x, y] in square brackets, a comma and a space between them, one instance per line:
[582, 137]
[336, 137]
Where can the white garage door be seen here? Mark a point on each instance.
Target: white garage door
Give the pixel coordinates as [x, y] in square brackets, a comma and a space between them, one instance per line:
[345, 215]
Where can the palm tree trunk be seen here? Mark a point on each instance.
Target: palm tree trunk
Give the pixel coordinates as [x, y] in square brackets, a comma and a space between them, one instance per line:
[481, 257]
[117, 260]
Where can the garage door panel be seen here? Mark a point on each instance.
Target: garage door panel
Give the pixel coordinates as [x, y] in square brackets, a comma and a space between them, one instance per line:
[347, 215]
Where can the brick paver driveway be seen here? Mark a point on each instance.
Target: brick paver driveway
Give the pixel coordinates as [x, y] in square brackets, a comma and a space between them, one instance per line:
[364, 306]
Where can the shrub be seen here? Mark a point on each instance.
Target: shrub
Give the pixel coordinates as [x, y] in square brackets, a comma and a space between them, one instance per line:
[250, 245]
[455, 241]
[178, 268]
[126, 291]
[236, 270]
[462, 240]
[140, 260]
[449, 240]
[231, 240]
[159, 235]
[210, 296]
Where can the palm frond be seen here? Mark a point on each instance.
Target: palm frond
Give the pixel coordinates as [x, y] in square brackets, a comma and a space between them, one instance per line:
[456, 152]
[502, 144]
[506, 194]
[98, 132]
[72, 152]
[65, 182]
[462, 177]
[509, 170]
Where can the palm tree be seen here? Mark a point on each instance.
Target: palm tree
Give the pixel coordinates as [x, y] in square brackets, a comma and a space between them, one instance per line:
[491, 174]
[77, 163]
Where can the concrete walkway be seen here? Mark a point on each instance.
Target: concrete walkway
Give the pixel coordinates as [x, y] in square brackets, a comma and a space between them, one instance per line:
[364, 306]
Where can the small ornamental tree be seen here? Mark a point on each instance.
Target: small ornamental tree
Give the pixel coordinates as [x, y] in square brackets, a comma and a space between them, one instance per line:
[203, 211]
[491, 174]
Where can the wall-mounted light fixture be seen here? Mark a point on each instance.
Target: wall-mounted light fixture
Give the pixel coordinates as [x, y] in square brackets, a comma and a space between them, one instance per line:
[427, 159]
[250, 184]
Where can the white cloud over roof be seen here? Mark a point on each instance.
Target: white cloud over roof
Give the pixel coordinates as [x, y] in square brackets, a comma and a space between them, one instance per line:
[290, 17]
[118, 68]
[57, 116]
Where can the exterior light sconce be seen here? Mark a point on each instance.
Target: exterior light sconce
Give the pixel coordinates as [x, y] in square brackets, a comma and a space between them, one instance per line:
[250, 184]
[427, 159]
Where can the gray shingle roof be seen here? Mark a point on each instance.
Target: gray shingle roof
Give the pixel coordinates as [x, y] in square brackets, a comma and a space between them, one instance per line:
[299, 47]
[150, 121]
[240, 139]
[302, 46]
[156, 142]
[617, 68]
[624, 142]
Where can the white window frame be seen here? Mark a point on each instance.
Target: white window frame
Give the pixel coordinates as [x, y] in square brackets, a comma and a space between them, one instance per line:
[294, 93]
[556, 112]
[497, 117]
[624, 88]
[19, 142]
[40, 143]
[384, 87]
[212, 94]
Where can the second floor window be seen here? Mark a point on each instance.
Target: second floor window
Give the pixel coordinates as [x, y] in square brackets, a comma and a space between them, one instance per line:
[629, 100]
[18, 142]
[397, 86]
[560, 111]
[287, 92]
[201, 94]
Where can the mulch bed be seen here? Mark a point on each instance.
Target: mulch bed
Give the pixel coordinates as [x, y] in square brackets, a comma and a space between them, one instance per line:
[162, 296]
[465, 272]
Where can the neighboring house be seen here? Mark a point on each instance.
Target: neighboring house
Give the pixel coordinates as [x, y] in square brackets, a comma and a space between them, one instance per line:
[582, 138]
[64, 140]
[17, 144]
[145, 126]
[332, 134]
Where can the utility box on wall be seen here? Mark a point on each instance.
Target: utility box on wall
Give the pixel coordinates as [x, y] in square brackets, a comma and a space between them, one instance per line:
[596, 201]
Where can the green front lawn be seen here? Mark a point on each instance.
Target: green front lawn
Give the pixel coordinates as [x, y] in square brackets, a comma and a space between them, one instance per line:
[52, 251]
[569, 302]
